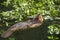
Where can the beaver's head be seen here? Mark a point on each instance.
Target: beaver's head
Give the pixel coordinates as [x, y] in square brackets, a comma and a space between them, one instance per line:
[38, 18]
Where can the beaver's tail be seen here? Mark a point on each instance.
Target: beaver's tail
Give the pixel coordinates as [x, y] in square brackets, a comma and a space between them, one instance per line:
[7, 33]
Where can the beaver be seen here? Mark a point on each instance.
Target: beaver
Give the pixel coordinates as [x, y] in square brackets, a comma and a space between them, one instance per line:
[30, 23]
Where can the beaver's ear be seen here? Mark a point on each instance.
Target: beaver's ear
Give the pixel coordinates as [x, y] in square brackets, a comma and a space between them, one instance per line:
[36, 17]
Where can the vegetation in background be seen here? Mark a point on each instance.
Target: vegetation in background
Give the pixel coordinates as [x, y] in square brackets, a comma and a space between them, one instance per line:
[13, 11]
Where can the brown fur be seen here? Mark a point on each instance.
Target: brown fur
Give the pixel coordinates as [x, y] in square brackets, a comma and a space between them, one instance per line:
[31, 23]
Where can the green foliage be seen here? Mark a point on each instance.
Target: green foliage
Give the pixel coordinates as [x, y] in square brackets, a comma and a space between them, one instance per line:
[12, 11]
